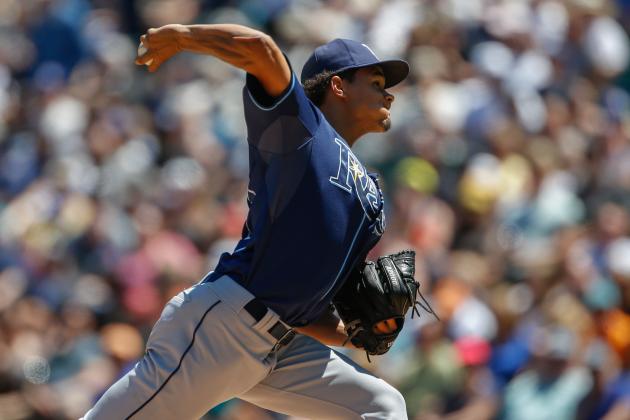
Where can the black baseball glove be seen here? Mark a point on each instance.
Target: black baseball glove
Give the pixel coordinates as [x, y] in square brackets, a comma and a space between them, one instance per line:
[377, 292]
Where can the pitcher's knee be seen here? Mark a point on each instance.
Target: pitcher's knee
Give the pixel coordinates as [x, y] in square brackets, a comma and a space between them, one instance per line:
[391, 404]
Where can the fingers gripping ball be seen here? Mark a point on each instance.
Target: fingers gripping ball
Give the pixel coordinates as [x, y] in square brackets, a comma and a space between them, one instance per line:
[142, 50]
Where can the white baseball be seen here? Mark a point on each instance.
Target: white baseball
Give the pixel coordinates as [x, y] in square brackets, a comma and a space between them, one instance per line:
[142, 50]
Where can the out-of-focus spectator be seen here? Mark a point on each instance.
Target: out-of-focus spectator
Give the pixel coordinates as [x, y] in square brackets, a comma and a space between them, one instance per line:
[434, 373]
[552, 388]
[478, 398]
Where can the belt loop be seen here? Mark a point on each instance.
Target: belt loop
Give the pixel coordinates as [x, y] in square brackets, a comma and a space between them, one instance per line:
[279, 330]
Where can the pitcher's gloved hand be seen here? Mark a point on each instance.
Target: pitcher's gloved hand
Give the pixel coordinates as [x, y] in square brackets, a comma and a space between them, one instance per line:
[375, 298]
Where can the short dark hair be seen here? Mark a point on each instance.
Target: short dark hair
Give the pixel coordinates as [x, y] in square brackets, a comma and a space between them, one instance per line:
[317, 86]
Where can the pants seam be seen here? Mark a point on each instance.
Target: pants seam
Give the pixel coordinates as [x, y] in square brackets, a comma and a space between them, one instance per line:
[181, 360]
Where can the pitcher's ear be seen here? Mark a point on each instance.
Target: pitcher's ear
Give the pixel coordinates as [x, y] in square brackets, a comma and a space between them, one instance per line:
[336, 86]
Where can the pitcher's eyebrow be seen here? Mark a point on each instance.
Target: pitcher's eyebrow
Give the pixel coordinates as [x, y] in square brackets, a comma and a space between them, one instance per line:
[378, 71]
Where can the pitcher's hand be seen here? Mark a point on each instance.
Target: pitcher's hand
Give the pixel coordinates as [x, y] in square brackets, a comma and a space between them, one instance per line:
[159, 44]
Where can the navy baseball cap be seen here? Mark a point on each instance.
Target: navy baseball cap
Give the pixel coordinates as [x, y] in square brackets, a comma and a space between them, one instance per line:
[344, 54]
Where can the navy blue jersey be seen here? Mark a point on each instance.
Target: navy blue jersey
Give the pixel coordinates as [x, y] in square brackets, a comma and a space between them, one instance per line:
[314, 211]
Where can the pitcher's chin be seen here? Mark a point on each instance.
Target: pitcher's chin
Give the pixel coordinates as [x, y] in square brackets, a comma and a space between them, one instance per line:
[385, 124]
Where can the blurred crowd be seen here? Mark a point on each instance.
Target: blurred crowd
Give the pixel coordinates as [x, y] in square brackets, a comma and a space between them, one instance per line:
[507, 169]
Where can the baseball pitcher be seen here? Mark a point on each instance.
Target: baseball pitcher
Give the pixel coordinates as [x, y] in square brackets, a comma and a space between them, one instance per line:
[258, 326]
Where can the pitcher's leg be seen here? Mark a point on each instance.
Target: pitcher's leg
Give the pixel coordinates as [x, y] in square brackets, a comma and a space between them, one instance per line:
[199, 354]
[313, 381]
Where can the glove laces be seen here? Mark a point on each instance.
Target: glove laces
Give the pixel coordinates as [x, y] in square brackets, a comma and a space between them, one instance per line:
[424, 305]
[356, 327]
[356, 331]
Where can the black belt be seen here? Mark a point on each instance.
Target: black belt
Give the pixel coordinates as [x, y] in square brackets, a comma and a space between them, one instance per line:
[279, 331]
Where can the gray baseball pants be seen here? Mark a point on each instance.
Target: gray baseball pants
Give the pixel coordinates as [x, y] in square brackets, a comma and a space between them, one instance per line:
[206, 349]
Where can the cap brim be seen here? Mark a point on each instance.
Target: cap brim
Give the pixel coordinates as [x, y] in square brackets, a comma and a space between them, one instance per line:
[395, 71]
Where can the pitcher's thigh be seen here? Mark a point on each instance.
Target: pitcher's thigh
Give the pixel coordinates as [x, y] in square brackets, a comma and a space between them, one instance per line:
[191, 356]
[313, 381]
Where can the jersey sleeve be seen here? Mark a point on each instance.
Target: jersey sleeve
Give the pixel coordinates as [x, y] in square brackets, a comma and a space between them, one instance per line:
[278, 125]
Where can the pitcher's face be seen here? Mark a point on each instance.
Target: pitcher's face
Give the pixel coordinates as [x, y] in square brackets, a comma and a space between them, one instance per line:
[368, 101]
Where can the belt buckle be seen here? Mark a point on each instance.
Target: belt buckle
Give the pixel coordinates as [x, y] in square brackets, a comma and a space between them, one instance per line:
[285, 339]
